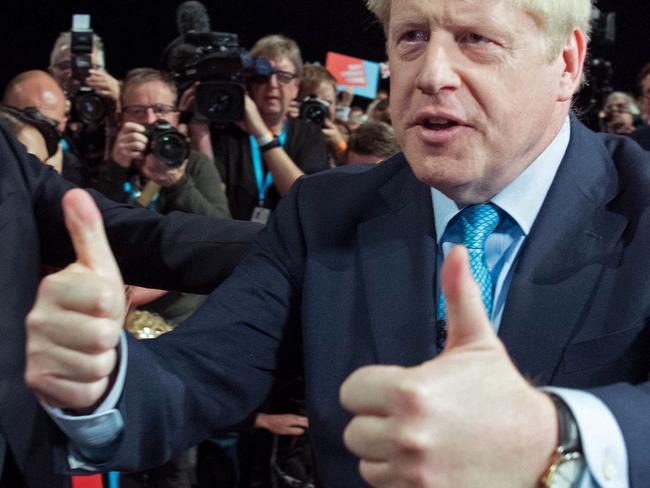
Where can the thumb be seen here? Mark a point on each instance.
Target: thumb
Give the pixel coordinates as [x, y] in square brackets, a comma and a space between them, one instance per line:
[86, 229]
[467, 321]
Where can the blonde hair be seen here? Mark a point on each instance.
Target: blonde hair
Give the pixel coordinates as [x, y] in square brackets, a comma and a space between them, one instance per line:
[277, 46]
[556, 18]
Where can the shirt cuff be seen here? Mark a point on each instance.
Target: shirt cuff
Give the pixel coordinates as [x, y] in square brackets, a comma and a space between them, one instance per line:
[602, 441]
[87, 434]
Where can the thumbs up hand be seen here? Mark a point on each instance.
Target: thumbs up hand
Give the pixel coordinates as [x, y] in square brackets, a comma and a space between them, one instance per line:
[467, 418]
[73, 328]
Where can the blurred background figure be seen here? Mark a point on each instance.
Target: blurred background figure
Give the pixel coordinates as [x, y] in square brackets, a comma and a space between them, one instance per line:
[93, 96]
[319, 105]
[38, 90]
[372, 142]
[643, 92]
[620, 114]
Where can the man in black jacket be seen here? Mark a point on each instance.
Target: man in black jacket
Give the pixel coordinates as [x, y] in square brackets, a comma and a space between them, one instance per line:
[176, 251]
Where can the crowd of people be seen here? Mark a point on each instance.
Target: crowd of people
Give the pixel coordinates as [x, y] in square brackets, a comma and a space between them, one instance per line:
[226, 173]
[240, 389]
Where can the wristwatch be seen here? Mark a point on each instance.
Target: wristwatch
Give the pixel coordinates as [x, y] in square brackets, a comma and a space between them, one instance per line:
[275, 142]
[567, 463]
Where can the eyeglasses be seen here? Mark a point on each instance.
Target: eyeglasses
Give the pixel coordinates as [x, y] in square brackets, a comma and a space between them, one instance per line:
[140, 111]
[284, 77]
[67, 65]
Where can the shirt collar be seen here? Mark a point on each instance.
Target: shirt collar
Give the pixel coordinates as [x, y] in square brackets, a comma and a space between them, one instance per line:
[523, 197]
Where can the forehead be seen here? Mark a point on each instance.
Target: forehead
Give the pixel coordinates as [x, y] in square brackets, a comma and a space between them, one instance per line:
[148, 93]
[326, 91]
[64, 54]
[283, 63]
[457, 13]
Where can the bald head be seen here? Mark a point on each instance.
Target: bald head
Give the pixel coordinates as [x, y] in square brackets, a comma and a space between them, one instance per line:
[37, 89]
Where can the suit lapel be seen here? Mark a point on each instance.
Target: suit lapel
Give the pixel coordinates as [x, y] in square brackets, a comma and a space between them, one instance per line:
[398, 255]
[561, 263]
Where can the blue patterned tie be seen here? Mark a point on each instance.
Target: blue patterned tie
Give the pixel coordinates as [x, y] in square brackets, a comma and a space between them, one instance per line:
[477, 223]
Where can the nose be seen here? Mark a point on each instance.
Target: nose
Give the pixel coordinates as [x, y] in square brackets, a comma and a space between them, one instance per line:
[438, 71]
[151, 116]
[273, 80]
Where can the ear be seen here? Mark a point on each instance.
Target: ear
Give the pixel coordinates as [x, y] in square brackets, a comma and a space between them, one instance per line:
[573, 56]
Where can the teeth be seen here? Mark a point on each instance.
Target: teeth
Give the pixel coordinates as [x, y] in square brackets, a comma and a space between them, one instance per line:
[438, 121]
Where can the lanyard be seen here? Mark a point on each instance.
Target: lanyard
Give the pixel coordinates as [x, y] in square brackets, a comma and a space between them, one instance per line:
[134, 193]
[263, 184]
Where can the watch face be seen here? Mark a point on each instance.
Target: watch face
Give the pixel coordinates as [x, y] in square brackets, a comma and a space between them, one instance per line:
[568, 472]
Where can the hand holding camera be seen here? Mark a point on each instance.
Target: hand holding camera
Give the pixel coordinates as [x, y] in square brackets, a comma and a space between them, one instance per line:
[160, 145]
[103, 84]
[130, 145]
[252, 121]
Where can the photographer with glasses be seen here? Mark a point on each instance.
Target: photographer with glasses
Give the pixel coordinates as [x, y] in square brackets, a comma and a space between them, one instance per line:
[261, 156]
[190, 184]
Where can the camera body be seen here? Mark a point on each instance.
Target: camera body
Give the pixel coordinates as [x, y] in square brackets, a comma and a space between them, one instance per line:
[221, 67]
[166, 143]
[314, 110]
[86, 106]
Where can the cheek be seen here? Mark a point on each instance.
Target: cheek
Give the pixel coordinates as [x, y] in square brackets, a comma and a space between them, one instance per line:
[290, 92]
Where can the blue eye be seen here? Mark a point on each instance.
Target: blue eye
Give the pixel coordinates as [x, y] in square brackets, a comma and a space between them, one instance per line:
[474, 38]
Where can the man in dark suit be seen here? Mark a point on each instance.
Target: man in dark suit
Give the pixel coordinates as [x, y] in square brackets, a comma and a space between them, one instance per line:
[166, 252]
[348, 276]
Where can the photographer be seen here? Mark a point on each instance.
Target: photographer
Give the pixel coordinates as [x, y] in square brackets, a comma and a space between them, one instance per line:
[261, 156]
[318, 96]
[37, 90]
[192, 186]
[136, 175]
[91, 129]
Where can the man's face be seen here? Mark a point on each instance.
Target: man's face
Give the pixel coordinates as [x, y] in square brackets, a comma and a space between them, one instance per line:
[474, 99]
[62, 71]
[644, 99]
[147, 102]
[618, 118]
[272, 96]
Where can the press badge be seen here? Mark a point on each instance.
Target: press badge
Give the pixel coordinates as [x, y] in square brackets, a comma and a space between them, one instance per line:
[261, 215]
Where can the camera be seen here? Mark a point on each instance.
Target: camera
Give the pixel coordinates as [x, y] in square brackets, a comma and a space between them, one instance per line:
[85, 105]
[221, 67]
[315, 110]
[166, 143]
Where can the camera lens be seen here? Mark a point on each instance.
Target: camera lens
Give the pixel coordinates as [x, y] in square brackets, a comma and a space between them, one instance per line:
[314, 110]
[219, 102]
[171, 148]
[91, 108]
[316, 114]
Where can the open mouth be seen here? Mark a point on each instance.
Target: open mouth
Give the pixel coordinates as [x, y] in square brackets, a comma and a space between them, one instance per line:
[439, 123]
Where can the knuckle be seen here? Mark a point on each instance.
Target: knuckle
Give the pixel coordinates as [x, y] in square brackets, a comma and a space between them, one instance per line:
[36, 320]
[31, 376]
[86, 395]
[412, 397]
[411, 440]
[100, 366]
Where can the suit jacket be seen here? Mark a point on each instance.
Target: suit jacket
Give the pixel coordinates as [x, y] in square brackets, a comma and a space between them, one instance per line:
[344, 276]
[178, 251]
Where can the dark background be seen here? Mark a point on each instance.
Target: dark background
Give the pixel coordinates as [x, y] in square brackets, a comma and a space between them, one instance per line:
[136, 31]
